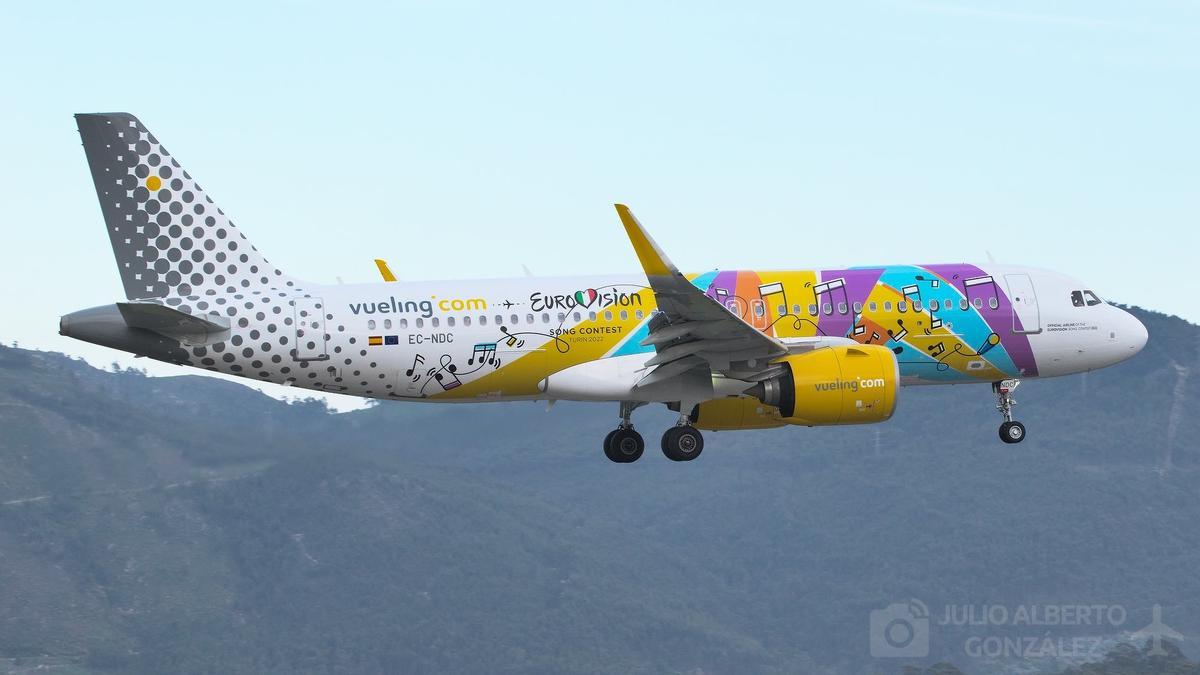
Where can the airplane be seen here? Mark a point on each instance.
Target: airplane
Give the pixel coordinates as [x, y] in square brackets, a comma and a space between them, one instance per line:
[1156, 632]
[726, 349]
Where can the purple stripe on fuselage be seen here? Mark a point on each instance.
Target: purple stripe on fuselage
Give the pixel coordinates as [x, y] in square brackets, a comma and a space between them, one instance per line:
[1001, 320]
[858, 286]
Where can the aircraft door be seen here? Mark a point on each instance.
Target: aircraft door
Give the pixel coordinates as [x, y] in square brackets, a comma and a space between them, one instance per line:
[310, 330]
[1027, 317]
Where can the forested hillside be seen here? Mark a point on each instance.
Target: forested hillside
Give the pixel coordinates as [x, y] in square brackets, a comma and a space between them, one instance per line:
[193, 525]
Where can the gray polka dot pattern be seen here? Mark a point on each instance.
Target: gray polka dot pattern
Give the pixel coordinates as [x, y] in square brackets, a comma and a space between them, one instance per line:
[169, 238]
[176, 248]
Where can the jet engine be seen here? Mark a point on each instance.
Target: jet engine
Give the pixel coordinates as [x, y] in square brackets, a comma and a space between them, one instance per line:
[832, 385]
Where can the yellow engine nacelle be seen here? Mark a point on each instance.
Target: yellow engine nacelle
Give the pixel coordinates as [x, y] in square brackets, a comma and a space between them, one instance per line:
[832, 385]
[740, 412]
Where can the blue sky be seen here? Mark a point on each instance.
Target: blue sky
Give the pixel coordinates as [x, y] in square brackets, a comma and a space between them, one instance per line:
[466, 139]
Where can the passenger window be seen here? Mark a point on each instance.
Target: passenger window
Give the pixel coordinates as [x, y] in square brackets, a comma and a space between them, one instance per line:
[1077, 298]
[529, 318]
[578, 316]
[434, 322]
[404, 323]
[978, 302]
[812, 310]
[483, 320]
[450, 321]
[916, 305]
[624, 315]
[371, 324]
[857, 307]
[387, 323]
[608, 316]
[591, 316]
[887, 305]
[902, 307]
[933, 305]
[562, 317]
[420, 323]
[1091, 298]
[993, 303]
[639, 314]
[874, 306]
[545, 317]
[466, 321]
[962, 304]
[796, 310]
[842, 309]
[827, 308]
[514, 318]
[782, 310]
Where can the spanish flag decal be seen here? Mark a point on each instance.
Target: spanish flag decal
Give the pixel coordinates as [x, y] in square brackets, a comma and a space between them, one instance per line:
[375, 340]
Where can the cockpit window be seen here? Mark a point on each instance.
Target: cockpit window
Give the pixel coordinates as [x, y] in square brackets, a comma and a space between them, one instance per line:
[1077, 298]
[1092, 298]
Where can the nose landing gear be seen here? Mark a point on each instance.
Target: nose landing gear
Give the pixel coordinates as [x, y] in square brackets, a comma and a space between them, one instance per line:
[1011, 431]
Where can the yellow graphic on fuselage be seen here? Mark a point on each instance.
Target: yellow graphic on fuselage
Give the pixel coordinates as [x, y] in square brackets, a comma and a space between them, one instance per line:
[531, 357]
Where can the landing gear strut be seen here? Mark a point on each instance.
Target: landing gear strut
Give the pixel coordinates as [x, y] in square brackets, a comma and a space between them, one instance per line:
[1011, 431]
[682, 442]
[624, 445]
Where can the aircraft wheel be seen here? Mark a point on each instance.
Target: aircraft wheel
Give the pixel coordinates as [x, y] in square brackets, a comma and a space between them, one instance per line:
[682, 443]
[624, 446]
[1012, 432]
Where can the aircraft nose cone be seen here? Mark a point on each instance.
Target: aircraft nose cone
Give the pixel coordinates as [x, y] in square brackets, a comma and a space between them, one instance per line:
[1137, 334]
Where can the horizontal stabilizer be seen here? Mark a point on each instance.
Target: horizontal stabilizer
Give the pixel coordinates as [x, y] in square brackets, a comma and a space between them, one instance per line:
[172, 322]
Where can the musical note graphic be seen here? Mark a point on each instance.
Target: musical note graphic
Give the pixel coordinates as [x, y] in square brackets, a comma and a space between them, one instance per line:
[417, 361]
[912, 293]
[933, 283]
[937, 349]
[899, 335]
[445, 376]
[484, 352]
[828, 289]
[767, 290]
[979, 285]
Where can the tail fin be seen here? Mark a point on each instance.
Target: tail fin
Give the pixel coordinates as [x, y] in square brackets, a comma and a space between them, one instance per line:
[168, 236]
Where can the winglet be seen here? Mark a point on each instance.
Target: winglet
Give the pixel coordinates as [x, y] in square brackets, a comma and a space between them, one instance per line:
[385, 270]
[653, 260]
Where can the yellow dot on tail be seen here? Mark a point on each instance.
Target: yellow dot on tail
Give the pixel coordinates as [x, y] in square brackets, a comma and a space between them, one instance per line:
[153, 183]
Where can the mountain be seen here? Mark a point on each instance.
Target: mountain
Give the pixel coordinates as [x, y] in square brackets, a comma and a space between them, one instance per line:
[193, 525]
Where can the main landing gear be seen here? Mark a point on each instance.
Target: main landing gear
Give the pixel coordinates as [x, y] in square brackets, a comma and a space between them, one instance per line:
[680, 443]
[624, 445]
[1011, 431]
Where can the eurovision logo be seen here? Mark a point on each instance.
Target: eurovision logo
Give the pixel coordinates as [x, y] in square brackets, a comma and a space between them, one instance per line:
[584, 299]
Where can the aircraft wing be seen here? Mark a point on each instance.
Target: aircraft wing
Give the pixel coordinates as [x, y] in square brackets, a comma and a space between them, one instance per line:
[690, 329]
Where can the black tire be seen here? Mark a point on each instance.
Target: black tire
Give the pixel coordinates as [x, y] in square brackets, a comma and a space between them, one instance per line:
[1012, 432]
[682, 444]
[624, 446]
